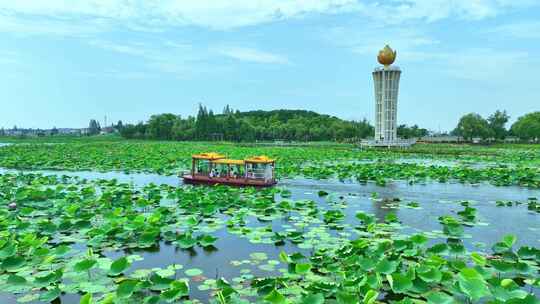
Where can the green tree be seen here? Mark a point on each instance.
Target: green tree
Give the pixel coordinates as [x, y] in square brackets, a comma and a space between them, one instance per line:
[134, 131]
[473, 125]
[161, 126]
[228, 110]
[497, 122]
[230, 128]
[184, 129]
[93, 127]
[298, 125]
[405, 131]
[213, 127]
[527, 127]
[201, 124]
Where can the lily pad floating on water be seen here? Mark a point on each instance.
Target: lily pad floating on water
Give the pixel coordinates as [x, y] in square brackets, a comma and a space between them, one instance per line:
[193, 272]
[259, 256]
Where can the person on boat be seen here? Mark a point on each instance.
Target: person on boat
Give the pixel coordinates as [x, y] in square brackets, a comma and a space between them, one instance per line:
[212, 173]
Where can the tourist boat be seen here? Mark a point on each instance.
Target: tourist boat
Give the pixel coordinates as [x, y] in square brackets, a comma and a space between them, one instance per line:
[214, 168]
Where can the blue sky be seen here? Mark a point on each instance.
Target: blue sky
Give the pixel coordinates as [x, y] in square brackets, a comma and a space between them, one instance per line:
[63, 62]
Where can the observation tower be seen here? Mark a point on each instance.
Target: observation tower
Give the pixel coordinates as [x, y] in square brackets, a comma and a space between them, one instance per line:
[386, 84]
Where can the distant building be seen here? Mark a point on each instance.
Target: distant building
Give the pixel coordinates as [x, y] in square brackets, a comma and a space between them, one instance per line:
[69, 131]
[85, 131]
[108, 130]
[512, 139]
[20, 132]
[441, 139]
[17, 132]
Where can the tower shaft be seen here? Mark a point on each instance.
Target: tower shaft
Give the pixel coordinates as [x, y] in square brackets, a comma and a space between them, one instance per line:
[386, 81]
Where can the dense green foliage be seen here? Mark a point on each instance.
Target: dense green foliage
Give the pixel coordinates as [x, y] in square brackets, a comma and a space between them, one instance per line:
[527, 126]
[68, 236]
[501, 165]
[104, 242]
[403, 131]
[295, 125]
[497, 122]
[473, 125]
[93, 127]
[300, 125]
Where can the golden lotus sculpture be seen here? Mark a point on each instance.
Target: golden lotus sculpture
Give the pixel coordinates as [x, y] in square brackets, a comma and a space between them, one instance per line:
[386, 56]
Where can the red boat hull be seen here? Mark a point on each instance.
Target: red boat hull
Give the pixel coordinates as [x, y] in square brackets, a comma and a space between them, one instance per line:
[239, 182]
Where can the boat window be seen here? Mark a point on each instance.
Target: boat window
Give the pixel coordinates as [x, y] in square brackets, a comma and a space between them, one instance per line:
[220, 170]
[257, 171]
[202, 167]
[237, 171]
[268, 172]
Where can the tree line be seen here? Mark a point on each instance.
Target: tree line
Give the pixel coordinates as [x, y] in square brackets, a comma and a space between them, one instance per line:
[289, 125]
[302, 125]
[473, 125]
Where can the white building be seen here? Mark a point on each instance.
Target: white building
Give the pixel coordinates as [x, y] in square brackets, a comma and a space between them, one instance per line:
[386, 85]
[386, 81]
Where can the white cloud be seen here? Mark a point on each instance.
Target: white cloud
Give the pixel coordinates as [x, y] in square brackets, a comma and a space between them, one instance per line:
[133, 49]
[529, 29]
[117, 9]
[25, 15]
[157, 56]
[251, 55]
[486, 64]
[119, 74]
[69, 17]
[410, 42]
[24, 25]
[161, 56]
[398, 11]
[151, 49]
[392, 21]
[236, 13]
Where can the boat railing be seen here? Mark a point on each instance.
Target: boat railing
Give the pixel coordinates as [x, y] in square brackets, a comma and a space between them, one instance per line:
[223, 176]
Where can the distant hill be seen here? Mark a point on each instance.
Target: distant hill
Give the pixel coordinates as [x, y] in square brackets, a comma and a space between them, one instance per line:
[283, 115]
[297, 125]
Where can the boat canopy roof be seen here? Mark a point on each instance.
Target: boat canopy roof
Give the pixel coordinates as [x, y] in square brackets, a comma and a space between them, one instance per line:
[226, 161]
[262, 159]
[220, 159]
[208, 156]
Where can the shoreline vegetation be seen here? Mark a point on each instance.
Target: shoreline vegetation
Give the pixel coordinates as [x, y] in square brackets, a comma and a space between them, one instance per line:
[499, 164]
[285, 126]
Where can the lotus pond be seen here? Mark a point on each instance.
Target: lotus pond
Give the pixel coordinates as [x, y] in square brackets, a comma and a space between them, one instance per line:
[344, 226]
